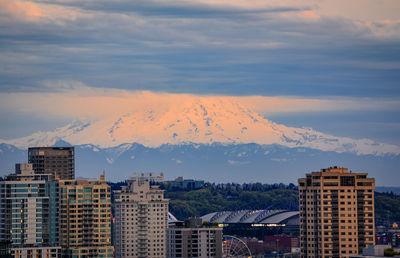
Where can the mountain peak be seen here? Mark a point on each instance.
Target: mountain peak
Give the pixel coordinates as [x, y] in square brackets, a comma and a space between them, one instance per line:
[61, 143]
[198, 121]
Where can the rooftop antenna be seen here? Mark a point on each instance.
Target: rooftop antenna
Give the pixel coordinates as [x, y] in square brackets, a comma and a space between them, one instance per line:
[103, 176]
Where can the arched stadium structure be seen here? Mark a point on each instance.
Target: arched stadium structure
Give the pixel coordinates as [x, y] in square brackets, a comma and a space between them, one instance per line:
[256, 223]
[171, 218]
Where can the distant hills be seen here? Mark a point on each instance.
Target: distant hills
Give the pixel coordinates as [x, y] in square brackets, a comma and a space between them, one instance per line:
[385, 189]
[213, 198]
[212, 162]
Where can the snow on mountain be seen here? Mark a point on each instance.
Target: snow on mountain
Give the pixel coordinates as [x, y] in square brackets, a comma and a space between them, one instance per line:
[198, 121]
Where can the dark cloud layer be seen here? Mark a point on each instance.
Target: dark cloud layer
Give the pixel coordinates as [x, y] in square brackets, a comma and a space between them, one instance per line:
[185, 9]
[195, 47]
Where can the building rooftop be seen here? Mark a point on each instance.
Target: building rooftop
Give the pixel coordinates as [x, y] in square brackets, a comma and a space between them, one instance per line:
[253, 216]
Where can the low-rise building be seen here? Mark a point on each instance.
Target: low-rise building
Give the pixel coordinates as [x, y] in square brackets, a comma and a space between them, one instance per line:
[192, 239]
[151, 177]
[375, 250]
[188, 184]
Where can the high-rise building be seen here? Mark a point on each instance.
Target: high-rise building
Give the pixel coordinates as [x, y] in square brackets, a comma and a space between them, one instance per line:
[336, 213]
[53, 160]
[192, 239]
[29, 213]
[85, 222]
[141, 218]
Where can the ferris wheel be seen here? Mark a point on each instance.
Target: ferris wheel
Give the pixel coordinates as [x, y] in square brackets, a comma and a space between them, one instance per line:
[234, 247]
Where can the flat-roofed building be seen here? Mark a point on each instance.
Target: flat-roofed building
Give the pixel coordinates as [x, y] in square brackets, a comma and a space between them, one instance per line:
[336, 213]
[53, 160]
[86, 218]
[141, 219]
[192, 239]
[151, 177]
[29, 213]
[188, 184]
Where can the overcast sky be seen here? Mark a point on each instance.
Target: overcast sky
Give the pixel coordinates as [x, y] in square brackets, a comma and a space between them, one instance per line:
[344, 52]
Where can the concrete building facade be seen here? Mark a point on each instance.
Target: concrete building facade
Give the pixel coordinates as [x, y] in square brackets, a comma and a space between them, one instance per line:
[29, 213]
[336, 213]
[53, 160]
[141, 218]
[151, 177]
[192, 239]
[86, 218]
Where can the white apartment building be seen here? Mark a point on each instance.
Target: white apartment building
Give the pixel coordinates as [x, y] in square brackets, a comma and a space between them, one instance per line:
[141, 218]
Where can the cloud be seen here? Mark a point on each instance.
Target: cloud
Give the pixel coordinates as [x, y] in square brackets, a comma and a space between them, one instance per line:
[31, 11]
[183, 8]
[177, 161]
[281, 56]
[359, 10]
[383, 28]
[75, 100]
[236, 162]
[306, 15]
[21, 9]
[304, 48]
[282, 104]
[279, 160]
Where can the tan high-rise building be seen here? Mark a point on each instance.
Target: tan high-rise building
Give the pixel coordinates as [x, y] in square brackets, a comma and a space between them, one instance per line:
[85, 223]
[141, 218]
[336, 213]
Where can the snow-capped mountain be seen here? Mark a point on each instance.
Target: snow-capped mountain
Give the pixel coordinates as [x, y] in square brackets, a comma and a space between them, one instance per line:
[205, 138]
[198, 121]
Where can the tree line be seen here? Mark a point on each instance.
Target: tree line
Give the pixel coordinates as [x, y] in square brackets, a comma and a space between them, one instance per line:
[214, 197]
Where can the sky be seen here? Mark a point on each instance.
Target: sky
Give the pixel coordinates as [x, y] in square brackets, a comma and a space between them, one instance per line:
[330, 65]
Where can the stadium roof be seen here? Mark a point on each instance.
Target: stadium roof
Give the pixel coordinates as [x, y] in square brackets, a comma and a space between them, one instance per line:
[253, 216]
[171, 217]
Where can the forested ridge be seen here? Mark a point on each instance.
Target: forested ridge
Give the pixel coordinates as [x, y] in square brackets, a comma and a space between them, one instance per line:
[224, 197]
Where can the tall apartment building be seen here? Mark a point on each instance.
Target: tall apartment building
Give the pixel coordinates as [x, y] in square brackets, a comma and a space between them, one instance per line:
[336, 213]
[192, 239]
[85, 222]
[53, 160]
[141, 218]
[29, 213]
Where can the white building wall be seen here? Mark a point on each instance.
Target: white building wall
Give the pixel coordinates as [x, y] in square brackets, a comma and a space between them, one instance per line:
[141, 215]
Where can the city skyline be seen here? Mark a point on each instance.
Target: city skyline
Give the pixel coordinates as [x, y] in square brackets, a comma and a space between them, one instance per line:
[141, 218]
[329, 70]
[341, 200]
